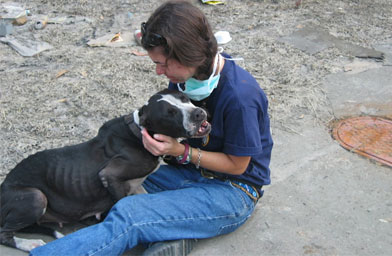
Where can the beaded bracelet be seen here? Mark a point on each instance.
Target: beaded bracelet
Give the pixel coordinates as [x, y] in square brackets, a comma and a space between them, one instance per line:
[198, 158]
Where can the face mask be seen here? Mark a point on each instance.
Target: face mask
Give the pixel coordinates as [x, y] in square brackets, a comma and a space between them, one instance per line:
[198, 90]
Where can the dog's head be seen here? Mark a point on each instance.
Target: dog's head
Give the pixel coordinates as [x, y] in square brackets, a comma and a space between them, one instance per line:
[171, 113]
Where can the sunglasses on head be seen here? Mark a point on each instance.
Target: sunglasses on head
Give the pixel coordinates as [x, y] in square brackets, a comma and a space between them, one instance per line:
[151, 39]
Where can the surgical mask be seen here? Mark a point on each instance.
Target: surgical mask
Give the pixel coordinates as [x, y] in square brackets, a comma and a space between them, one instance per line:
[198, 90]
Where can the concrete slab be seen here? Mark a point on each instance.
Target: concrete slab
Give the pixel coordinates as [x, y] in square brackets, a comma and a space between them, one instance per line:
[313, 39]
[308, 40]
[361, 65]
[386, 48]
[365, 93]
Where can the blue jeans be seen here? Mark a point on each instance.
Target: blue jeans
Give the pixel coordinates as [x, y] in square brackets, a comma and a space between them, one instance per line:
[181, 204]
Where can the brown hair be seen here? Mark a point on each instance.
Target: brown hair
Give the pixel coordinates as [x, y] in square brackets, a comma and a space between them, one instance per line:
[188, 36]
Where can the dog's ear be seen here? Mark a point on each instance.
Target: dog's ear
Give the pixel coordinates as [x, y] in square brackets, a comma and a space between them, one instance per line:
[141, 110]
[143, 120]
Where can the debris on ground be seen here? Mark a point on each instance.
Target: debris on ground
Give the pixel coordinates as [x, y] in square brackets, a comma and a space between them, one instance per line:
[26, 47]
[120, 39]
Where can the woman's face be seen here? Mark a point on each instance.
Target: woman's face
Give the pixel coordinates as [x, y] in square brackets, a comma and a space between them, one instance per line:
[172, 69]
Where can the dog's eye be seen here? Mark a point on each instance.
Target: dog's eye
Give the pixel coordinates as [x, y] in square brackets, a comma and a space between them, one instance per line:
[147, 123]
[184, 98]
[172, 111]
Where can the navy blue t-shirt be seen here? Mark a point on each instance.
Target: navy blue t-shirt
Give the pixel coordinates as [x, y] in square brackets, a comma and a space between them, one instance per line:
[240, 122]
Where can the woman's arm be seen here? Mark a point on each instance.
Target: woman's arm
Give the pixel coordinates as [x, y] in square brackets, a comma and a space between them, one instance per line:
[215, 161]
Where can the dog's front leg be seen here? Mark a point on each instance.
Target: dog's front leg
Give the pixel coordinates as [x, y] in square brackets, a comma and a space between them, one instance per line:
[118, 173]
[112, 180]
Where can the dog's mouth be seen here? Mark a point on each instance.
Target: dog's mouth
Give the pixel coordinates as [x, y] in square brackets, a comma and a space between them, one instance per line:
[204, 129]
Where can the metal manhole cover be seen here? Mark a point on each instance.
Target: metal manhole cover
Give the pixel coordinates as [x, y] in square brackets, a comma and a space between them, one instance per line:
[367, 136]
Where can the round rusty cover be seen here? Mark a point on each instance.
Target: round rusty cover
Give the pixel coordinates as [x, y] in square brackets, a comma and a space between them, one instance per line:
[368, 136]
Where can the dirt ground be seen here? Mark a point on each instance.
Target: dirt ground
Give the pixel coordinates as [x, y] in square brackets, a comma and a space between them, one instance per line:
[63, 95]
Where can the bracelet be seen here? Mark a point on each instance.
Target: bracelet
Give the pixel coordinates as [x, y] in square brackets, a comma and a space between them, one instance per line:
[189, 157]
[198, 158]
[182, 158]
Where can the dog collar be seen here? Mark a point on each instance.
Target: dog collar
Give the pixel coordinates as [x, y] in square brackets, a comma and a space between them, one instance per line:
[133, 124]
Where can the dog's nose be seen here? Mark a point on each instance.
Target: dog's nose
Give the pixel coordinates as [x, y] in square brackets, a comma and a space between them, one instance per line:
[198, 114]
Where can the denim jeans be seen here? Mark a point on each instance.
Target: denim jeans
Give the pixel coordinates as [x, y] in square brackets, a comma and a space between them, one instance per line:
[180, 204]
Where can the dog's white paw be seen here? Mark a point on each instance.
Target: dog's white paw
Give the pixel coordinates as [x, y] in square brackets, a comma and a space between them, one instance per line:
[57, 234]
[98, 216]
[27, 244]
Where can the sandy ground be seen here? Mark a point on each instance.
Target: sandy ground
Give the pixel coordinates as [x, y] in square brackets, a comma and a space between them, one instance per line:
[63, 95]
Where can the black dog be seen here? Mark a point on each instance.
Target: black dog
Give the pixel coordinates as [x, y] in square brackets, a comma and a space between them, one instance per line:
[75, 182]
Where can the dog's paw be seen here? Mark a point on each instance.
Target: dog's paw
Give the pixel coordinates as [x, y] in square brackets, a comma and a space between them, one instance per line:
[98, 216]
[57, 234]
[28, 244]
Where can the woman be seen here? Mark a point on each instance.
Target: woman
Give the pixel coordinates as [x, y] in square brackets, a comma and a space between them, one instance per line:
[212, 184]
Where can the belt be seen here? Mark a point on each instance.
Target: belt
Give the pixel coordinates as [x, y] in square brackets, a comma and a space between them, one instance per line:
[250, 190]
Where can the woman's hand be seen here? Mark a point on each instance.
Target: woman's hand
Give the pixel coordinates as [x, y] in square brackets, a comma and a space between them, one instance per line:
[161, 144]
